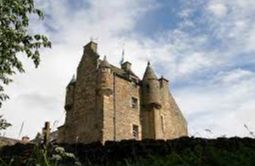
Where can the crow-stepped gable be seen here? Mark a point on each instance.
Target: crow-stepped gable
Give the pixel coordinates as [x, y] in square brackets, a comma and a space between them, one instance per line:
[105, 102]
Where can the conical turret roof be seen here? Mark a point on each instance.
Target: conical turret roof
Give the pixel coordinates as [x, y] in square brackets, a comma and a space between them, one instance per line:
[149, 73]
[105, 63]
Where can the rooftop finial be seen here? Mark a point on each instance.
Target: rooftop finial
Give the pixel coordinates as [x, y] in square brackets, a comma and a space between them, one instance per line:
[105, 58]
[149, 63]
[122, 57]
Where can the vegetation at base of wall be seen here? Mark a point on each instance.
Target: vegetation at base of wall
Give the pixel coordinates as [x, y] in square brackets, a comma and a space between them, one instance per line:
[39, 155]
[184, 151]
[209, 156]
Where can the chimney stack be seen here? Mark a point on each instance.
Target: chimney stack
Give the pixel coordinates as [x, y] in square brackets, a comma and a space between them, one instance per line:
[91, 47]
[126, 66]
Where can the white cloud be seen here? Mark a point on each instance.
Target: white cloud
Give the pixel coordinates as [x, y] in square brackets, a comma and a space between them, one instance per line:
[232, 23]
[194, 62]
[224, 105]
[218, 9]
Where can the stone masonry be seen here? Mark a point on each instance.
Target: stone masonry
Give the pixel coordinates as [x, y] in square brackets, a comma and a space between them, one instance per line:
[105, 103]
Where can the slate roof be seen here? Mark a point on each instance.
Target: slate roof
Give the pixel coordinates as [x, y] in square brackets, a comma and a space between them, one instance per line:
[149, 73]
[122, 73]
[128, 75]
[104, 63]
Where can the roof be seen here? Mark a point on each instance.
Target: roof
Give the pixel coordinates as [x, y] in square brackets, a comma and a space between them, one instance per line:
[104, 63]
[122, 73]
[149, 73]
[128, 75]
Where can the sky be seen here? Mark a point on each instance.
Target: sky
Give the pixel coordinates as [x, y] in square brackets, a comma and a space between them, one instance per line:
[204, 47]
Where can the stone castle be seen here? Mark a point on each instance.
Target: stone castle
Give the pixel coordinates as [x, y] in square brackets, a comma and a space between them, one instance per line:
[105, 103]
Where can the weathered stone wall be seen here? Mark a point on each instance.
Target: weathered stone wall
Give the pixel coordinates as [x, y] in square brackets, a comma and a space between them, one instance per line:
[173, 123]
[126, 116]
[61, 134]
[106, 103]
[84, 119]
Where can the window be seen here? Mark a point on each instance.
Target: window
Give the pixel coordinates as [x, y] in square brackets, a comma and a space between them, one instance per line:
[134, 102]
[135, 132]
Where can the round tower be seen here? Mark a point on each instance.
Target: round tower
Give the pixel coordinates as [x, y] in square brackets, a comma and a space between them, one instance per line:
[104, 83]
[150, 89]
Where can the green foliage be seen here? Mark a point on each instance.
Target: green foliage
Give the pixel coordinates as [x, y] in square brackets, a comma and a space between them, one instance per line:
[16, 40]
[3, 123]
[209, 156]
[50, 156]
[53, 156]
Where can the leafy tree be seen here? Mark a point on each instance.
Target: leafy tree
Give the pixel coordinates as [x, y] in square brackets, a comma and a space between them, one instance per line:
[3, 123]
[16, 40]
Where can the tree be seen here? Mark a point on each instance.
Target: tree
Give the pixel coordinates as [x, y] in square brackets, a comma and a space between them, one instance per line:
[3, 123]
[16, 40]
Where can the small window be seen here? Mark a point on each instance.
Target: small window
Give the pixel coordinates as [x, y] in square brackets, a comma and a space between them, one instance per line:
[135, 132]
[134, 102]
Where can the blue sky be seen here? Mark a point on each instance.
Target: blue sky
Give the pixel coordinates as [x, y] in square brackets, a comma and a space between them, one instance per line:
[205, 48]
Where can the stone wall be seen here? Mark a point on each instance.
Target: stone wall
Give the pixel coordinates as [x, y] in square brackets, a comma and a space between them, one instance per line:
[173, 123]
[83, 121]
[126, 116]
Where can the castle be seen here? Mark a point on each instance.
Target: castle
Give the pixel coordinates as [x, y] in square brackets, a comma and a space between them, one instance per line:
[105, 103]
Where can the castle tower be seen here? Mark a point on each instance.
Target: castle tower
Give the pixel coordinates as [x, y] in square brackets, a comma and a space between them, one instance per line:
[104, 81]
[106, 102]
[151, 104]
[104, 99]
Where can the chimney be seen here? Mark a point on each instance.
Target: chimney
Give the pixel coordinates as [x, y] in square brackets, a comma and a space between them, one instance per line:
[163, 82]
[91, 46]
[126, 66]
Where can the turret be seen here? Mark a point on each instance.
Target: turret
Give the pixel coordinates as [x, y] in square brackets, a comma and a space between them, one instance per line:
[70, 94]
[104, 80]
[150, 89]
[152, 127]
